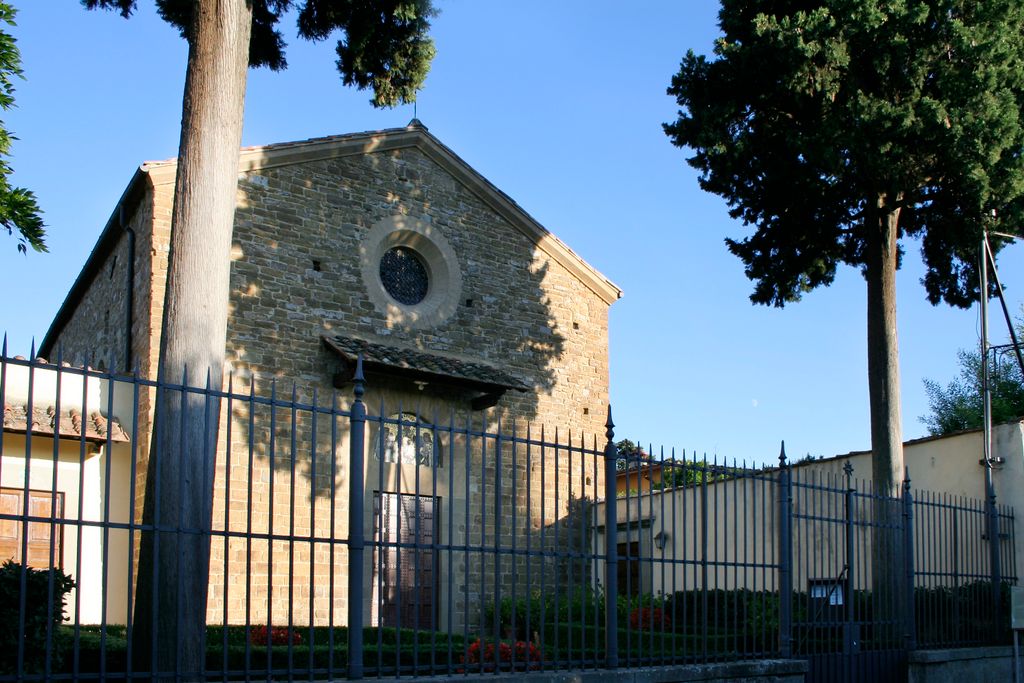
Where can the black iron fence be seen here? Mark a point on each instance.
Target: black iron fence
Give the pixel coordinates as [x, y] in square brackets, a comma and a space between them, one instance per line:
[347, 541]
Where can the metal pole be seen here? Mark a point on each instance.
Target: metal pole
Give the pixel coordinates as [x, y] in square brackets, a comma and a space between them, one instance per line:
[611, 557]
[356, 536]
[1016, 656]
[850, 643]
[785, 558]
[909, 617]
[986, 396]
[1002, 303]
[986, 390]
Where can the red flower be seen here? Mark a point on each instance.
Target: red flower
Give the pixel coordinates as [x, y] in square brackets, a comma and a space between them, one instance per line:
[649, 618]
[276, 635]
[480, 655]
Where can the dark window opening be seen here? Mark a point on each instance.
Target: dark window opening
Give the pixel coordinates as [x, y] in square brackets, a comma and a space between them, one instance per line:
[404, 276]
[629, 568]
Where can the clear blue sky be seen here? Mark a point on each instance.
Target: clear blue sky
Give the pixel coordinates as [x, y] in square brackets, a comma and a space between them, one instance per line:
[560, 104]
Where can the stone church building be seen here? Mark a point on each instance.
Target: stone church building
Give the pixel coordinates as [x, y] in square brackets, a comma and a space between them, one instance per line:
[465, 310]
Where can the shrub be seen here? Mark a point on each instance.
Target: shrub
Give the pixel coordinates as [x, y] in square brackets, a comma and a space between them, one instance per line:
[275, 635]
[523, 617]
[649, 619]
[42, 617]
[488, 656]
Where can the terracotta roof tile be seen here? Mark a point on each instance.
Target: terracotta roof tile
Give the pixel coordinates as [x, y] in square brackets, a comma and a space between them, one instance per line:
[16, 419]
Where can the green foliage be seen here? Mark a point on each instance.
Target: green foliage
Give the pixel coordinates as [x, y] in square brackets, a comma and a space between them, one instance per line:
[571, 624]
[962, 614]
[816, 120]
[692, 473]
[41, 627]
[524, 616]
[675, 472]
[401, 647]
[627, 451]
[958, 405]
[385, 44]
[19, 210]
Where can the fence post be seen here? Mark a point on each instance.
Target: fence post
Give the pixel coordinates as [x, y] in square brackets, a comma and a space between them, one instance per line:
[785, 557]
[850, 635]
[993, 551]
[611, 551]
[909, 617]
[356, 536]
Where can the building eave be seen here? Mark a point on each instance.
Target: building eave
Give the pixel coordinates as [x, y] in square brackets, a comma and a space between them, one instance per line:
[107, 241]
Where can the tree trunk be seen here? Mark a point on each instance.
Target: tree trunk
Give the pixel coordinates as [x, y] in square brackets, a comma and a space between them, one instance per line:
[174, 561]
[886, 423]
[883, 352]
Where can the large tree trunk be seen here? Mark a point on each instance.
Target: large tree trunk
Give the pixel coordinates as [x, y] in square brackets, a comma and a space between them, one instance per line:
[883, 352]
[174, 562]
[886, 424]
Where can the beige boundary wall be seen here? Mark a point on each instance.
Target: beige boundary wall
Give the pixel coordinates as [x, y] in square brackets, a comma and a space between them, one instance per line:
[743, 528]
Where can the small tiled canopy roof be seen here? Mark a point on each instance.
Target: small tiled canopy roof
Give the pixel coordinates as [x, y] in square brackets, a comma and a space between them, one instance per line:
[422, 366]
[71, 424]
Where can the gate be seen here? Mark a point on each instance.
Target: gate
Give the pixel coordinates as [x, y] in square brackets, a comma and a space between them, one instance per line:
[850, 614]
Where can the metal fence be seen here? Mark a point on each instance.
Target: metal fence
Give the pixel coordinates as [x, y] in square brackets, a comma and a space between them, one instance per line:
[347, 541]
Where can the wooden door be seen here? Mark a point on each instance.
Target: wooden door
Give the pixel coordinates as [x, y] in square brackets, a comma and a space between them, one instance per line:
[40, 504]
[403, 561]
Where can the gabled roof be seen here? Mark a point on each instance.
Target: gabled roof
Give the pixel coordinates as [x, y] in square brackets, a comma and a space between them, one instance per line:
[415, 135]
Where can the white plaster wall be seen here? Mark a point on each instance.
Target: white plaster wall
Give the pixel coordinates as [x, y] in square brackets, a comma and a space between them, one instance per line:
[82, 478]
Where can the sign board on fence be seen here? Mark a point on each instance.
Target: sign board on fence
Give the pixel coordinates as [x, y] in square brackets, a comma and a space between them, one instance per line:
[1017, 607]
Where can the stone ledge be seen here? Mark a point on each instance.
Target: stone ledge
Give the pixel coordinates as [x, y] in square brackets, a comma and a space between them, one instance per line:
[959, 654]
[757, 671]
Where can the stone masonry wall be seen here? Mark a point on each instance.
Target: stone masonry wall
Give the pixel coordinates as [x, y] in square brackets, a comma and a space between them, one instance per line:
[97, 329]
[296, 273]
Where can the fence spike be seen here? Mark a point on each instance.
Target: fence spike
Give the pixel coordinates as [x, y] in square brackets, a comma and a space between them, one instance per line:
[359, 380]
[3, 352]
[609, 426]
[782, 454]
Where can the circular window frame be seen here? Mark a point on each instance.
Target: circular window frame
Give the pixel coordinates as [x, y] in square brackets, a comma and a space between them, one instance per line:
[444, 277]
